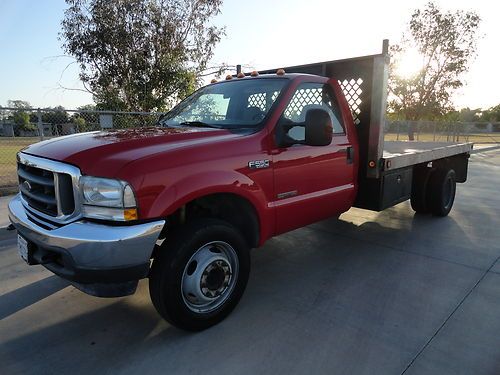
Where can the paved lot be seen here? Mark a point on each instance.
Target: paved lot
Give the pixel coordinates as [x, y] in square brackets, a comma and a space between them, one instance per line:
[372, 293]
[4, 219]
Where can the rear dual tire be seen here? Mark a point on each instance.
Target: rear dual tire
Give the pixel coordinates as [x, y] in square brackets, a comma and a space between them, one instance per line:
[442, 189]
[433, 191]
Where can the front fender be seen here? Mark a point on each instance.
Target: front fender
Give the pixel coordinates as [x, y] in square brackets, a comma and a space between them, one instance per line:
[191, 187]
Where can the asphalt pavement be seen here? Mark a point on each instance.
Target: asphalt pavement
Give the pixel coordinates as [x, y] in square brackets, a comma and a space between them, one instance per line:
[371, 293]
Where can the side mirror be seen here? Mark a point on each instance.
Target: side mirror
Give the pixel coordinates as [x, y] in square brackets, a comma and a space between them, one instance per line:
[319, 129]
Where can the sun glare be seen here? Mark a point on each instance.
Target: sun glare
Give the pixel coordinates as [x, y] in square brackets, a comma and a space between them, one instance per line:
[409, 64]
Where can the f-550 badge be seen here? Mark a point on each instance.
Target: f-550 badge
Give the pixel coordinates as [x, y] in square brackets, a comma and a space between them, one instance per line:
[258, 164]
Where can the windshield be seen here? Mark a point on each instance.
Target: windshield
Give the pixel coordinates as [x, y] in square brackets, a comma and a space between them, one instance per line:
[238, 103]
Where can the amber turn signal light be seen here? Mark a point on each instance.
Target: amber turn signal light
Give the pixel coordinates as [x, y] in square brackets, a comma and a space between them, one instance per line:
[130, 214]
[371, 164]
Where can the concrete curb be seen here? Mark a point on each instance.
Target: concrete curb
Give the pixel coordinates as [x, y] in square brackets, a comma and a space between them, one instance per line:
[6, 227]
[483, 149]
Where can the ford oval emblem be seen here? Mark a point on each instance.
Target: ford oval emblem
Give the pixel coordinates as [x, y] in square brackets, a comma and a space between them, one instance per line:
[27, 185]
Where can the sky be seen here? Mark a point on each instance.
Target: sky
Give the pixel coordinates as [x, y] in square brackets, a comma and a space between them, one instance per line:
[265, 34]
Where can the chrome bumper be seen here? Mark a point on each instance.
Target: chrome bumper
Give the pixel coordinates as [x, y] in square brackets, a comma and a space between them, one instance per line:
[88, 245]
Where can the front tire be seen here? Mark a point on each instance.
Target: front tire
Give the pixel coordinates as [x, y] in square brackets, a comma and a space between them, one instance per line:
[199, 274]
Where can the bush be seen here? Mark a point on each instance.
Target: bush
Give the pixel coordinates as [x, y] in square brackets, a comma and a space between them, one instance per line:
[81, 124]
[22, 120]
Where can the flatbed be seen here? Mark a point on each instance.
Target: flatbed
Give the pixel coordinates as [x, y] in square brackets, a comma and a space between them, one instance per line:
[400, 154]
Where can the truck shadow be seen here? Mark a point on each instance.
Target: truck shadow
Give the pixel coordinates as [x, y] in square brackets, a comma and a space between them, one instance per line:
[459, 238]
[98, 339]
[25, 296]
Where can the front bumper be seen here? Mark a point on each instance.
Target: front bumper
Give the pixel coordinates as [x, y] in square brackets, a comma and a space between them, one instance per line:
[97, 258]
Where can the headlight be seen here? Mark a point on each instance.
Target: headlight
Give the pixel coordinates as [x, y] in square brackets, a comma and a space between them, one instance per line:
[107, 199]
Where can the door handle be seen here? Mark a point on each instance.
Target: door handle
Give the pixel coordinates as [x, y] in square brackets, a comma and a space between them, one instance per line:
[350, 154]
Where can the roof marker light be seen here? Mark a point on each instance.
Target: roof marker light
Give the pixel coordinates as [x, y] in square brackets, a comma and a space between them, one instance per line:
[254, 73]
[280, 72]
[229, 76]
[213, 81]
[241, 75]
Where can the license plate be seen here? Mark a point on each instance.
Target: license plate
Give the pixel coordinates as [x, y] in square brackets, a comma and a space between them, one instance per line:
[22, 247]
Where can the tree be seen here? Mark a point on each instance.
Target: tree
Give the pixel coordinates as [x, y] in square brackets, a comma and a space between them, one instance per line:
[444, 44]
[18, 104]
[55, 116]
[470, 115]
[81, 124]
[87, 107]
[21, 119]
[492, 114]
[19, 115]
[140, 55]
[91, 118]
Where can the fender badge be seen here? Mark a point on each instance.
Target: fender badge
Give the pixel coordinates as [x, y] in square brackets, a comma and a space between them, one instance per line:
[27, 185]
[258, 164]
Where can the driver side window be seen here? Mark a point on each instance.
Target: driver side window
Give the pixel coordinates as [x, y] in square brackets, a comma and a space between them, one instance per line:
[308, 96]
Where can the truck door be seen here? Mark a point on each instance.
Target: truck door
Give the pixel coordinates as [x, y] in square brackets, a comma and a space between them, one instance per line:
[311, 182]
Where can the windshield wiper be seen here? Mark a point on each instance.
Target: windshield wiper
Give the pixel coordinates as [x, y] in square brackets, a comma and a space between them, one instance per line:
[200, 124]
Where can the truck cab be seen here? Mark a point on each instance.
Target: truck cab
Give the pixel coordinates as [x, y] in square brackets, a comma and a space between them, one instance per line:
[302, 130]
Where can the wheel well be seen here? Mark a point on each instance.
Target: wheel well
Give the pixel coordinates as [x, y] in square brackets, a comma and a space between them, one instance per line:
[459, 163]
[229, 207]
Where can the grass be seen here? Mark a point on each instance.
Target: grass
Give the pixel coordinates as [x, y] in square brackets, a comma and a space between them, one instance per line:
[430, 137]
[8, 150]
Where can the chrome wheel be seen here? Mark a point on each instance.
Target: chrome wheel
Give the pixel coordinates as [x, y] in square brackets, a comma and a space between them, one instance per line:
[209, 277]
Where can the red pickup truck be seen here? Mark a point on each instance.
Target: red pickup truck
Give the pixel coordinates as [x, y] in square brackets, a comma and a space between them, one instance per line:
[235, 163]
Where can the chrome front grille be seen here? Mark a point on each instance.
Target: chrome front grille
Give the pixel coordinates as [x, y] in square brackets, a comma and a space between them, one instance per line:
[37, 187]
[49, 189]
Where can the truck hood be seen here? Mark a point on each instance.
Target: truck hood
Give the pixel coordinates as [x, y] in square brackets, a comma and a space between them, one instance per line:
[109, 151]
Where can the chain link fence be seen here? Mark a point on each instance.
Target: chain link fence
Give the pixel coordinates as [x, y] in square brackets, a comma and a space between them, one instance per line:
[434, 131]
[20, 127]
